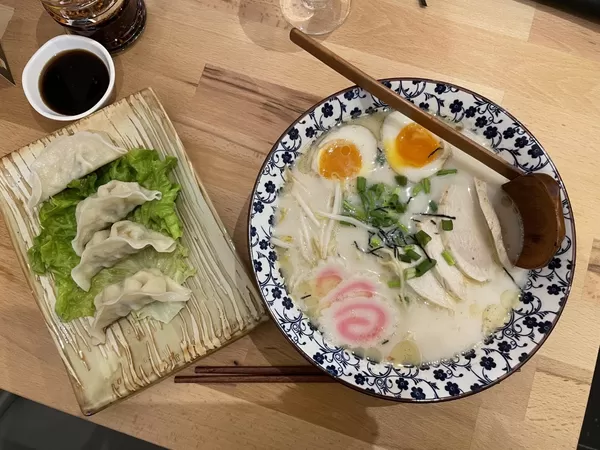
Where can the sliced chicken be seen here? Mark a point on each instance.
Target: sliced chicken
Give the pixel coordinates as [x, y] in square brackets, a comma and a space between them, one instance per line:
[493, 222]
[469, 241]
[449, 276]
[428, 287]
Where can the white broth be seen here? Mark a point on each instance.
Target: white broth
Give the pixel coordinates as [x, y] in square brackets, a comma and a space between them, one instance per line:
[369, 269]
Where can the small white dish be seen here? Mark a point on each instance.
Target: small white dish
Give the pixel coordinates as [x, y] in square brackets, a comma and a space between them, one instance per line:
[59, 44]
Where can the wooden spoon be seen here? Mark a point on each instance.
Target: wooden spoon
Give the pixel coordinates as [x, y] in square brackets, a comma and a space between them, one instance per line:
[536, 195]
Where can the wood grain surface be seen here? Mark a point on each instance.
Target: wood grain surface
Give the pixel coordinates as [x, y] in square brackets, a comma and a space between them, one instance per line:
[231, 82]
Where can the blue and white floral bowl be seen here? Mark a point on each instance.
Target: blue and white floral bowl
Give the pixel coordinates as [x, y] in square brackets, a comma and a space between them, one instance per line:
[545, 293]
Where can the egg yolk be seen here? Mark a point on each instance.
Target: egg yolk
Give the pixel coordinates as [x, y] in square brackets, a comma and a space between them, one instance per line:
[416, 146]
[339, 159]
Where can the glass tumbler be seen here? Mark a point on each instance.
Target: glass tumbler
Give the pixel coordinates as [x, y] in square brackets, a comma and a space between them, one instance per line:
[315, 17]
[115, 24]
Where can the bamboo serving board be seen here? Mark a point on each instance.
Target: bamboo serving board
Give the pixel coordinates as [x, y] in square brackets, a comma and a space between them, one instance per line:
[224, 305]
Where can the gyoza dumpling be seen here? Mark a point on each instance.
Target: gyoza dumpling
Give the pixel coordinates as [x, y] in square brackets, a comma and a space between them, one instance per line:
[135, 292]
[67, 158]
[106, 248]
[113, 201]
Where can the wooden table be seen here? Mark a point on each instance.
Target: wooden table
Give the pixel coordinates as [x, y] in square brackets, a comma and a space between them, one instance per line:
[232, 82]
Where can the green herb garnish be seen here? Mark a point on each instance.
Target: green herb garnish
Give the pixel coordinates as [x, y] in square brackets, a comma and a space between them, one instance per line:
[433, 206]
[425, 266]
[422, 238]
[409, 273]
[414, 256]
[441, 173]
[448, 257]
[401, 180]
[380, 204]
[361, 184]
[416, 189]
[447, 225]
[405, 258]
[375, 242]
[426, 183]
[395, 283]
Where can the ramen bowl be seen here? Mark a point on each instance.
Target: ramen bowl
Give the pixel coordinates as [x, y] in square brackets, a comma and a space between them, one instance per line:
[542, 299]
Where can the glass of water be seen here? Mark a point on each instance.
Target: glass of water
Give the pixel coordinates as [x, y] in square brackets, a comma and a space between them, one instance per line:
[315, 17]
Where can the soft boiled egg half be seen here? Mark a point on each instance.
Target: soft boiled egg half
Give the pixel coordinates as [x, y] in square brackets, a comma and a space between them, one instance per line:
[410, 149]
[346, 153]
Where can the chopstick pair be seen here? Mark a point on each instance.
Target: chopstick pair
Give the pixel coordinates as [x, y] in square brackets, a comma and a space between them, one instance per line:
[255, 374]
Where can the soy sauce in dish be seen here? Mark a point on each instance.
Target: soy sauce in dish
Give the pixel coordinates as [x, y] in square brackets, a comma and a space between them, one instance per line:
[73, 82]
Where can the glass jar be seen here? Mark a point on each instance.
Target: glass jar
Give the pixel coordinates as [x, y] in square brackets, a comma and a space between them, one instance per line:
[315, 17]
[116, 24]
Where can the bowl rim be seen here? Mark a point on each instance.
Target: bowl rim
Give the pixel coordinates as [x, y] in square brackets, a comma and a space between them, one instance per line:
[498, 380]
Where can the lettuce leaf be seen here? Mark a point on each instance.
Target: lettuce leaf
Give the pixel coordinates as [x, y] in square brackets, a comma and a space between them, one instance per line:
[53, 254]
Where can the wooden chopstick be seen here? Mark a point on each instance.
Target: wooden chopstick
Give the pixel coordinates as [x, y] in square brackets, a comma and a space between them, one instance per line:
[255, 374]
[259, 370]
[395, 101]
[222, 379]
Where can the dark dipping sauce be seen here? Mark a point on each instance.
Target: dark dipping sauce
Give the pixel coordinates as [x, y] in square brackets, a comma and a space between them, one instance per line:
[73, 82]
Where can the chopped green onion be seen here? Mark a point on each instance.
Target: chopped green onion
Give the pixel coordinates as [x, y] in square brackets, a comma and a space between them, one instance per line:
[400, 207]
[347, 224]
[409, 273]
[396, 283]
[447, 225]
[372, 198]
[405, 258]
[378, 189]
[403, 227]
[381, 218]
[441, 173]
[426, 183]
[408, 247]
[448, 257]
[416, 189]
[375, 242]
[348, 207]
[433, 206]
[353, 211]
[422, 238]
[425, 266]
[401, 180]
[361, 184]
[414, 256]
[367, 201]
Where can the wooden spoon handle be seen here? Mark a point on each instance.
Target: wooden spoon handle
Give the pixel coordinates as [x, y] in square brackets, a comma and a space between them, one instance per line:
[395, 101]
